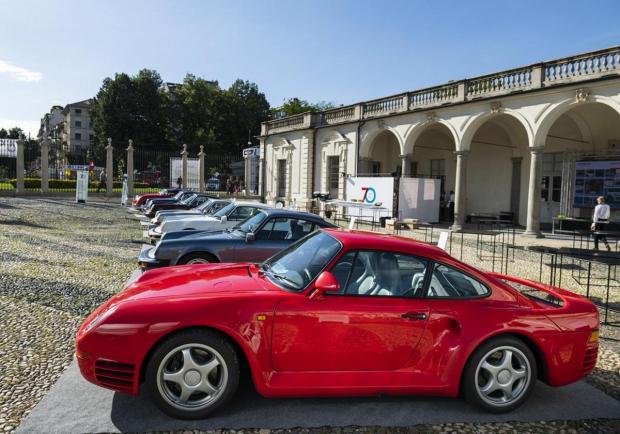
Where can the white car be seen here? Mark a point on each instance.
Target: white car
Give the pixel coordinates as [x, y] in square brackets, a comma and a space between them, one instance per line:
[208, 208]
[225, 218]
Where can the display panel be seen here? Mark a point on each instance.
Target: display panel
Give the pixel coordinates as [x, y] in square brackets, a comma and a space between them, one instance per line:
[597, 178]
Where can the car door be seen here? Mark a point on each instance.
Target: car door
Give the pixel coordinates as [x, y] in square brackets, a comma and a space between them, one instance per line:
[374, 322]
[275, 234]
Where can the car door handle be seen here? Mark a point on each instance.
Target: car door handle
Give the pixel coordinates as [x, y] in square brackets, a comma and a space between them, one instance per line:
[414, 315]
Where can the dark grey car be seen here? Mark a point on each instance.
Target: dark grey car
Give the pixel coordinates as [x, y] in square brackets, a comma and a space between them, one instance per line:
[253, 240]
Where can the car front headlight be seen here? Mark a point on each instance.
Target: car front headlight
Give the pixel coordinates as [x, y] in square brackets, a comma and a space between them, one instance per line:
[99, 319]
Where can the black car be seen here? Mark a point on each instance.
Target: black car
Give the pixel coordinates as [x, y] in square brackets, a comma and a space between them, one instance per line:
[253, 240]
[188, 202]
[180, 195]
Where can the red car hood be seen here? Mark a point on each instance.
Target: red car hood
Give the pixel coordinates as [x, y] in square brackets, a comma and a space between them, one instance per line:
[187, 281]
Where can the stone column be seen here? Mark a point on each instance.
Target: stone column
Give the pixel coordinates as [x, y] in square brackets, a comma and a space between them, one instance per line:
[533, 197]
[261, 170]
[184, 166]
[45, 166]
[130, 171]
[201, 176]
[20, 165]
[404, 165]
[460, 191]
[109, 169]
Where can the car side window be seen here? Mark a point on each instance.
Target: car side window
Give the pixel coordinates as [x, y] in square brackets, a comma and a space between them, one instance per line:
[265, 231]
[447, 282]
[379, 273]
[284, 228]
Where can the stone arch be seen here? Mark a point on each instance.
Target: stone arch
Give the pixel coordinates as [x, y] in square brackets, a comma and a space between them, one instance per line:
[552, 113]
[415, 130]
[475, 122]
[367, 142]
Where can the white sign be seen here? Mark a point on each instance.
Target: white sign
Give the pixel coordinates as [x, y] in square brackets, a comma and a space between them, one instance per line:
[378, 191]
[442, 242]
[418, 198]
[125, 191]
[8, 148]
[251, 152]
[81, 186]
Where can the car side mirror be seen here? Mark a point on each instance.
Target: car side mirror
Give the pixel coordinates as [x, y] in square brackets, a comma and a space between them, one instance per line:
[326, 282]
[224, 219]
[250, 237]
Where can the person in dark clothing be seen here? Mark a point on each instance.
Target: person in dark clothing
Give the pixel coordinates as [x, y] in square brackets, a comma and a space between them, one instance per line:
[179, 182]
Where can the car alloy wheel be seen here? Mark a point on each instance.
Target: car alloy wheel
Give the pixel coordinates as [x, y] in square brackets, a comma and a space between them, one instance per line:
[198, 261]
[502, 376]
[192, 373]
[192, 376]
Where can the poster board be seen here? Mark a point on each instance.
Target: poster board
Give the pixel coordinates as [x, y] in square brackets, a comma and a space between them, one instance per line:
[193, 172]
[597, 178]
[419, 198]
[370, 191]
[81, 186]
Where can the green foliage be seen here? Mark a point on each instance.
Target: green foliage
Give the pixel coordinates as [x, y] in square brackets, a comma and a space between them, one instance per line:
[196, 112]
[13, 133]
[295, 106]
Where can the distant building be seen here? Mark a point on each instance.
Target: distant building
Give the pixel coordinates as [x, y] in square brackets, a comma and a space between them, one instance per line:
[51, 122]
[77, 131]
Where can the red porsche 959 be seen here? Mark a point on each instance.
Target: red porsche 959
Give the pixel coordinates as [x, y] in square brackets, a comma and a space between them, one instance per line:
[338, 313]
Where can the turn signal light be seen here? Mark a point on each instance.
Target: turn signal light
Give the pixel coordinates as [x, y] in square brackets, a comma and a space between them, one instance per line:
[593, 339]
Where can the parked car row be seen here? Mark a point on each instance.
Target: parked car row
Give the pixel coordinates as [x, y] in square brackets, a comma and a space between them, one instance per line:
[312, 310]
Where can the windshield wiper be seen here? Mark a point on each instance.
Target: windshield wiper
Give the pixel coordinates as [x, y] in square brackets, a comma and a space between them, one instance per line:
[286, 279]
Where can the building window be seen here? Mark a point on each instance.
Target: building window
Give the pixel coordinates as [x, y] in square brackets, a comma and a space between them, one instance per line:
[413, 169]
[281, 178]
[91, 137]
[78, 124]
[551, 189]
[333, 167]
[78, 136]
[438, 168]
[78, 112]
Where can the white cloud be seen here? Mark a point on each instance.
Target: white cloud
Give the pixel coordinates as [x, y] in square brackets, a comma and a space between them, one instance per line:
[18, 73]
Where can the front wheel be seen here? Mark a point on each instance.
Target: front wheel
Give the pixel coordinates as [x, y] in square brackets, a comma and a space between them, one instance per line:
[192, 374]
[197, 258]
[500, 375]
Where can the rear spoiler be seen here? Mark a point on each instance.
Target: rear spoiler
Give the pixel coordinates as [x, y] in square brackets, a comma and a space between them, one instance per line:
[554, 296]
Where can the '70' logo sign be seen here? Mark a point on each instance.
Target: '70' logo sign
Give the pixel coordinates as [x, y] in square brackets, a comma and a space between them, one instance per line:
[370, 195]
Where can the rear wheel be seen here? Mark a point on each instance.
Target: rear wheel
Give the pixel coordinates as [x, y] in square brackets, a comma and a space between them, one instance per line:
[500, 375]
[192, 374]
[197, 258]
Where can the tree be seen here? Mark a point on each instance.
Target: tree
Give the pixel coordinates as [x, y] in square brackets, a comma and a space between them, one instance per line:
[3, 133]
[295, 106]
[130, 107]
[15, 133]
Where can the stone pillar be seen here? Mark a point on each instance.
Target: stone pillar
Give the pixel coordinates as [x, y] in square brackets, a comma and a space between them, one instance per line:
[20, 165]
[109, 169]
[460, 191]
[184, 166]
[247, 173]
[45, 166]
[201, 176]
[533, 197]
[261, 170]
[130, 171]
[404, 171]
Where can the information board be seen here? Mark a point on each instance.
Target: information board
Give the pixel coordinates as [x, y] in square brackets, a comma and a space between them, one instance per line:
[597, 178]
[81, 186]
[377, 191]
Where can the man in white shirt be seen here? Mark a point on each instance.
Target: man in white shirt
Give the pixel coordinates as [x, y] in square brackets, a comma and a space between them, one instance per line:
[599, 219]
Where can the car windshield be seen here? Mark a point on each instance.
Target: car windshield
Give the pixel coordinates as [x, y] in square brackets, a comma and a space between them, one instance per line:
[204, 205]
[251, 223]
[189, 199]
[179, 195]
[225, 211]
[296, 266]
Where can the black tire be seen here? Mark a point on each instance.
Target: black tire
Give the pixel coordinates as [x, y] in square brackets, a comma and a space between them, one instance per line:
[474, 374]
[162, 392]
[197, 257]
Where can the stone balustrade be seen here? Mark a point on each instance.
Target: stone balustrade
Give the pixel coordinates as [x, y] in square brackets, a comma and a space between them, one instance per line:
[582, 67]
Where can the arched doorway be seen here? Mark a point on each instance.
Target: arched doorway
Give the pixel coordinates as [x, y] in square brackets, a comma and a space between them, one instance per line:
[380, 155]
[497, 167]
[580, 160]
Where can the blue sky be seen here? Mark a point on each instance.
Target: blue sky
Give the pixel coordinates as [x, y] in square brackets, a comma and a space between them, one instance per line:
[57, 52]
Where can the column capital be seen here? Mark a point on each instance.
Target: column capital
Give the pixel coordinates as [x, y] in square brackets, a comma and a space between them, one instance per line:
[462, 153]
[184, 151]
[109, 146]
[202, 151]
[404, 155]
[536, 149]
[130, 147]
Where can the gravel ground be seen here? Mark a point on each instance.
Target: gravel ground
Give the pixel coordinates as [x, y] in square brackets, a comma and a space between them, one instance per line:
[59, 260]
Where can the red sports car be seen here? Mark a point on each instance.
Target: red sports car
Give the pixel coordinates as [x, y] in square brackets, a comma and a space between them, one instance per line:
[141, 199]
[338, 313]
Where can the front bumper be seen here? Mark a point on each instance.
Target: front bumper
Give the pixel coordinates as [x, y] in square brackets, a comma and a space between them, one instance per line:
[147, 260]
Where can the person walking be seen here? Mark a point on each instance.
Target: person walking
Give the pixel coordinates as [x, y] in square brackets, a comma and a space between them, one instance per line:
[451, 205]
[102, 181]
[600, 218]
[180, 182]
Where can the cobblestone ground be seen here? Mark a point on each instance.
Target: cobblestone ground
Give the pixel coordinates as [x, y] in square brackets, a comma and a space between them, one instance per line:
[59, 260]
